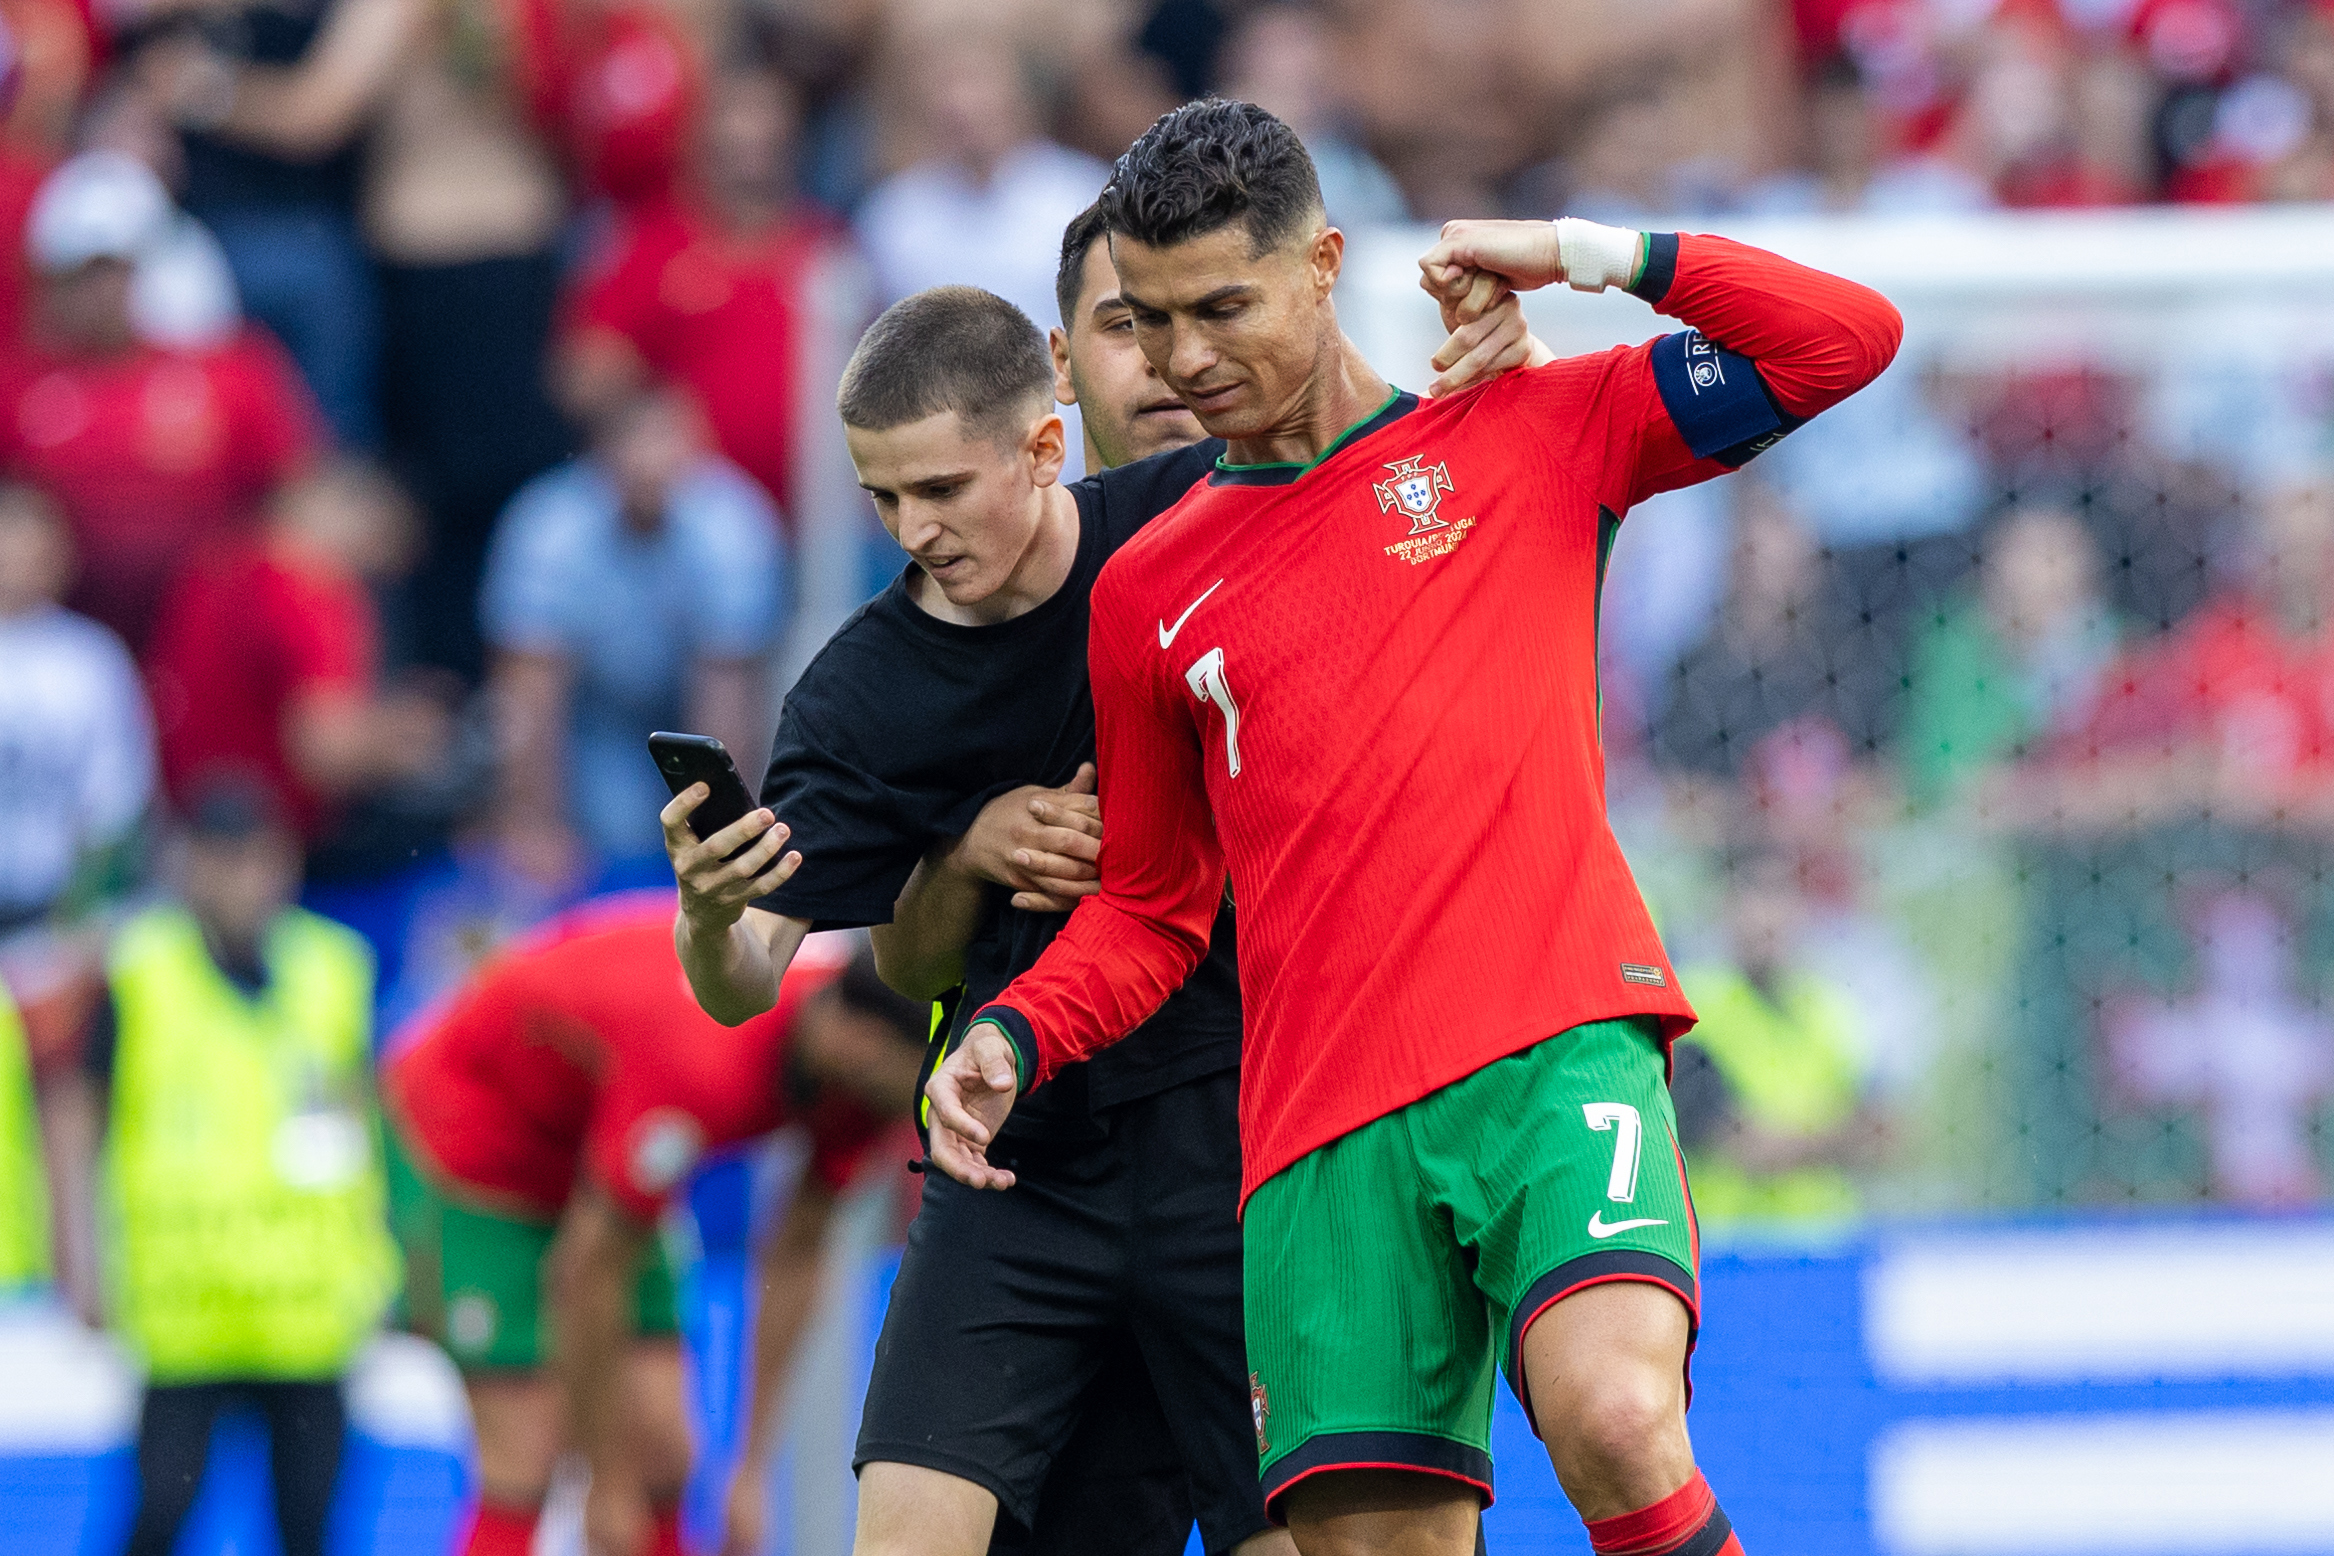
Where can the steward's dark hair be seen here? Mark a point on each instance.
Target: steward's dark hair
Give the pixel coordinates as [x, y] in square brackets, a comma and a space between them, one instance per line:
[862, 989]
[1086, 229]
[953, 348]
[1209, 164]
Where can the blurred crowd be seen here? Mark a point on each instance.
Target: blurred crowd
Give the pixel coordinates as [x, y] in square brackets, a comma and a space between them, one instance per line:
[406, 406]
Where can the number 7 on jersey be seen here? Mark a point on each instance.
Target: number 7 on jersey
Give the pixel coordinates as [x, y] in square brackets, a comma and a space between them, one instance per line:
[1207, 683]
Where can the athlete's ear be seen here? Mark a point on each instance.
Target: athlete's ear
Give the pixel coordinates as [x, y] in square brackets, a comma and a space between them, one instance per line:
[1326, 258]
[1057, 340]
[1046, 445]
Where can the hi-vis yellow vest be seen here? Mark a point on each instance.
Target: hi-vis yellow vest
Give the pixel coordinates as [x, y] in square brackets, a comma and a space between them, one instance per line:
[24, 1199]
[244, 1170]
[1792, 1065]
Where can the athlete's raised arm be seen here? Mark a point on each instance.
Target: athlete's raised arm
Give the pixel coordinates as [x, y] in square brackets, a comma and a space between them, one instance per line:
[1128, 946]
[1772, 342]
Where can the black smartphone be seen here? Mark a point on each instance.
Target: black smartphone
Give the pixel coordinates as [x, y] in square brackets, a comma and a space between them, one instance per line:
[688, 759]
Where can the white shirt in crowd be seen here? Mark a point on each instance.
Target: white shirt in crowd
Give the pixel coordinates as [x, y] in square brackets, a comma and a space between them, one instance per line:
[76, 751]
[932, 225]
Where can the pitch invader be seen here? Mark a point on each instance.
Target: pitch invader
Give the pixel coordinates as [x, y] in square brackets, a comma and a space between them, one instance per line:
[1459, 1149]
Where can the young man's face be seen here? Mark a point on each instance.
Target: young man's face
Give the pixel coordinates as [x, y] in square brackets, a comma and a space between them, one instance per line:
[1129, 411]
[1238, 336]
[962, 504]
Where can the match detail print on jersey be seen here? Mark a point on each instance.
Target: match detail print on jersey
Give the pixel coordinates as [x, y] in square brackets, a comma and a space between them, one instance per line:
[1415, 490]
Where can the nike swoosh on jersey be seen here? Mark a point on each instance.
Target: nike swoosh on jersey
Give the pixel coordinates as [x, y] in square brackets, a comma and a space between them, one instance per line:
[1598, 1226]
[1167, 633]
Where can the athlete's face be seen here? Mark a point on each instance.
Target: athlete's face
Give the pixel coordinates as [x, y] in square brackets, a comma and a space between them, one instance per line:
[1238, 336]
[966, 507]
[1129, 411]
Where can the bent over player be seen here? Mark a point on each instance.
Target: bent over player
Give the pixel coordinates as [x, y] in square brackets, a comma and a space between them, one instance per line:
[540, 1120]
[1459, 1153]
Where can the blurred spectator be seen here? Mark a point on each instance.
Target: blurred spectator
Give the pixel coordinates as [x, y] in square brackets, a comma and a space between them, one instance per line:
[1281, 58]
[271, 103]
[1191, 40]
[2232, 713]
[1779, 653]
[184, 292]
[230, 1067]
[710, 290]
[150, 451]
[24, 1192]
[989, 208]
[1846, 163]
[463, 203]
[1769, 1086]
[2287, 121]
[630, 94]
[76, 751]
[640, 587]
[2001, 667]
[266, 662]
[51, 51]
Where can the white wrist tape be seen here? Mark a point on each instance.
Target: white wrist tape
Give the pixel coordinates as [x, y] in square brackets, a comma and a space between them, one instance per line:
[1595, 256]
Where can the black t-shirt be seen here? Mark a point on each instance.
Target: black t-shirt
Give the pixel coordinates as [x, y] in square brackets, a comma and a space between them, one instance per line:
[904, 726]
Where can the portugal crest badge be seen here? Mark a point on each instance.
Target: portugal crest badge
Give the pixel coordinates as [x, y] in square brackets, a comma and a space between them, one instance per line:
[1416, 488]
[1260, 1408]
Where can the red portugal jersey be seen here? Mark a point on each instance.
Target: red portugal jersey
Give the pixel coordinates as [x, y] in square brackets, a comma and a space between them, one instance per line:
[583, 1053]
[1368, 686]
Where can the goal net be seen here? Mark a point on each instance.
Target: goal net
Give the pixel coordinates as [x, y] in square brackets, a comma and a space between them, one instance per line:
[1975, 746]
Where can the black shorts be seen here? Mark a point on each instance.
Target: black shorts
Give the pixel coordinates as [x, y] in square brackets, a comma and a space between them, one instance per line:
[1027, 1322]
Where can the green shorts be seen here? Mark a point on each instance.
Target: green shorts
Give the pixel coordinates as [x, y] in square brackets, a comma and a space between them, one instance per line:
[1390, 1272]
[474, 1276]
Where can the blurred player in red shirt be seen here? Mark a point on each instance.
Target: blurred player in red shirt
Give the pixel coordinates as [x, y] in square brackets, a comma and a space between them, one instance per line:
[713, 289]
[1351, 676]
[150, 451]
[266, 660]
[541, 1121]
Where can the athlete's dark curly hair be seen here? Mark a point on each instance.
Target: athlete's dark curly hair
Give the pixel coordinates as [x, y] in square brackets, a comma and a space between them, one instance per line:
[1206, 165]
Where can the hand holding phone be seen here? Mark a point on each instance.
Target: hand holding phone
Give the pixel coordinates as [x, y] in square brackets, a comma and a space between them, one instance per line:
[717, 889]
[693, 759]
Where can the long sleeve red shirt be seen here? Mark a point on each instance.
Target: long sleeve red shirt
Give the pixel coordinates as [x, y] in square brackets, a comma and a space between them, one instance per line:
[1368, 686]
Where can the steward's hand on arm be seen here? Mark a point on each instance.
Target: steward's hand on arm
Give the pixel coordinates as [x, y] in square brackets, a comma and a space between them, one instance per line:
[1040, 843]
[971, 1093]
[1045, 844]
[734, 954]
